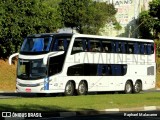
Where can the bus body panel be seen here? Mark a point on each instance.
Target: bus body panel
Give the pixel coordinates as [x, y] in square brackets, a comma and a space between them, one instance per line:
[93, 66]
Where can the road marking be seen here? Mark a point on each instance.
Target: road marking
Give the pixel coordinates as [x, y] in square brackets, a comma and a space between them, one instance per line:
[114, 109]
[148, 108]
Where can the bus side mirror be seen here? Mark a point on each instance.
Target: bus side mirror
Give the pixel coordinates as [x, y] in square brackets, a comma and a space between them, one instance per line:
[46, 57]
[10, 58]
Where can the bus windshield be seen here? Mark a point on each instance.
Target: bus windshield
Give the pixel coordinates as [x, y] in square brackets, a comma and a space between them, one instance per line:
[31, 69]
[36, 44]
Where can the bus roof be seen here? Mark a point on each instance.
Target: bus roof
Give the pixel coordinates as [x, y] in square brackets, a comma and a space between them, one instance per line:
[90, 36]
[50, 34]
[113, 38]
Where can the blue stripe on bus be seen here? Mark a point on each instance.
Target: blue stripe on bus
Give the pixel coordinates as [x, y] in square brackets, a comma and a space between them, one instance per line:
[46, 83]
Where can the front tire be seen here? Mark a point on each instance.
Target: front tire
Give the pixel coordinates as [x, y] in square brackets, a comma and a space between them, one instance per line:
[69, 89]
[82, 88]
[137, 87]
[128, 87]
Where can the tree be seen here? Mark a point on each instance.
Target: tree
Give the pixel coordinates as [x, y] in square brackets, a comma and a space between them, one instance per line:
[149, 21]
[18, 18]
[87, 16]
[146, 24]
[155, 13]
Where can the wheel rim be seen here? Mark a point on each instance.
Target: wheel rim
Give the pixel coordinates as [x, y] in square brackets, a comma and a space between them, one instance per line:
[69, 88]
[128, 88]
[82, 88]
[137, 87]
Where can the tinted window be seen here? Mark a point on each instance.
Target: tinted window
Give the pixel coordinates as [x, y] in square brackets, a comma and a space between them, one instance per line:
[95, 46]
[107, 47]
[79, 46]
[130, 48]
[60, 44]
[97, 70]
[55, 64]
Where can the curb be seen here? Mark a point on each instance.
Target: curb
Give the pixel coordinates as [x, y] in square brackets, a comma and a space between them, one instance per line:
[8, 91]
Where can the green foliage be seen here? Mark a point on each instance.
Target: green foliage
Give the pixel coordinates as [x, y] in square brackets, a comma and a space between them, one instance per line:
[150, 21]
[155, 8]
[86, 16]
[146, 23]
[117, 26]
[155, 13]
[18, 18]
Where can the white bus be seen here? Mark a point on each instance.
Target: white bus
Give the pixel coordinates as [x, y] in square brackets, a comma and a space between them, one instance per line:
[78, 63]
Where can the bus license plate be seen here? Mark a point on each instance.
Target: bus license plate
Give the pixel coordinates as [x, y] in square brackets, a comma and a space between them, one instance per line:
[28, 89]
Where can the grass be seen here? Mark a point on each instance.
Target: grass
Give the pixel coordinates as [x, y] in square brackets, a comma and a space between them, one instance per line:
[79, 103]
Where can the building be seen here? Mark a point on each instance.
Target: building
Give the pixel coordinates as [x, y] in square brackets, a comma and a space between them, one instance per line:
[127, 15]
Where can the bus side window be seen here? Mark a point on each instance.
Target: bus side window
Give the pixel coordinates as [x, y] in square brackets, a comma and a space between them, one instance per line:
[149, 51]
[88, 45]
[142, 48]
[99, 69]
[145, 48]
[124, 69]
[55, 46]
[113, 47]
[106, 70]
[130, 48]
[123, 47]
[76, 70]
[65, 44]
[106, 46]
[77, 46]
[152, 48]
[84, 44]
[118, 47]
[116, 70]
[95, 45]
[136, 48]
[60, 45]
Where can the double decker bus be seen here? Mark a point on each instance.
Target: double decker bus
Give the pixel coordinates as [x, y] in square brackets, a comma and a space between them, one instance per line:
[78, 63]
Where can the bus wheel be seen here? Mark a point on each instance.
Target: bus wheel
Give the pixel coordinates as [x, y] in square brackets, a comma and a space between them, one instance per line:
[69, 89]
[128, 88]
[82, 88]
[137, 87]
